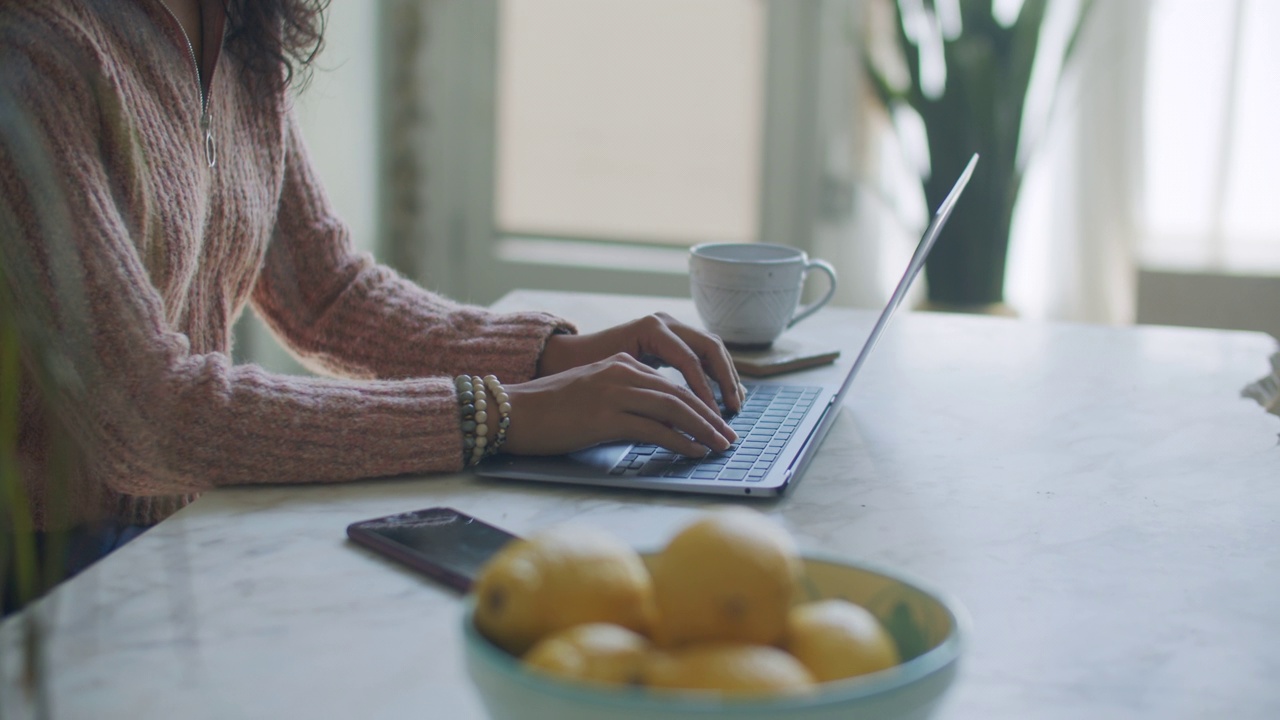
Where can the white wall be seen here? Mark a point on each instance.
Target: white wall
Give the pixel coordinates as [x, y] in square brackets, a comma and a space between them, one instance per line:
[338, 114]
[1235, 302]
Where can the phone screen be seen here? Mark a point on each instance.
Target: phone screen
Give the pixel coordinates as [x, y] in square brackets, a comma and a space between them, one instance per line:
[445, 544]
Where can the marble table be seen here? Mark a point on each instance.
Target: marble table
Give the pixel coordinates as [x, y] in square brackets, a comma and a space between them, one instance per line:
[1102, 500]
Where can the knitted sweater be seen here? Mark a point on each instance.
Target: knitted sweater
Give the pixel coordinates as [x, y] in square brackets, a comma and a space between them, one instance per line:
[120, 239]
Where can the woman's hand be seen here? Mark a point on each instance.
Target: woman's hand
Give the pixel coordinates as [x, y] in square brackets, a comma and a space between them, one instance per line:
[618, 398]
[694, 353]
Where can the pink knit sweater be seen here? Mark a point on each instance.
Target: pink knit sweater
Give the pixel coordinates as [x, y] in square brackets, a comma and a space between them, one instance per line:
[164, 252]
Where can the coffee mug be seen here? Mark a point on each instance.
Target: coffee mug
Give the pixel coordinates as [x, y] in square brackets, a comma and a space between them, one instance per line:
[748, 293]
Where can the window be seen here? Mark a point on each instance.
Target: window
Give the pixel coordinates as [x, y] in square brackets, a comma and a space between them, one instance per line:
[611, 135]
[630, 120]
[1213, 155]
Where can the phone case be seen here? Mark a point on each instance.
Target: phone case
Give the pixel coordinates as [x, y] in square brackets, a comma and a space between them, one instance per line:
[441, 562]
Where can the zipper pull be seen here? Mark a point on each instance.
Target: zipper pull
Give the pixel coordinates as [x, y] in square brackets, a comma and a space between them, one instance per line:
[210, 147]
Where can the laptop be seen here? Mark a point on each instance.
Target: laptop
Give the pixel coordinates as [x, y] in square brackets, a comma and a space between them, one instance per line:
[779, 428]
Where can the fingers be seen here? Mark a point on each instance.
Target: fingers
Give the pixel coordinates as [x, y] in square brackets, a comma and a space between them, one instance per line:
[675, 405]
[677, 353]
[641, 429]
[614, 399]
[657, 417]
[691, 351]
[720, 365]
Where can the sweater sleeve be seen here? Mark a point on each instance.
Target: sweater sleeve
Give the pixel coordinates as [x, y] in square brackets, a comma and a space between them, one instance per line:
[157, 418]
[343, 313]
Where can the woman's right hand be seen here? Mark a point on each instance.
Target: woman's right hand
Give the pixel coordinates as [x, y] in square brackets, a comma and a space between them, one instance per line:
[618, 398]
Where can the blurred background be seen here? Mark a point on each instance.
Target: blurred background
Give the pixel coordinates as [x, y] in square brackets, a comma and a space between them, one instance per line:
[484, 145]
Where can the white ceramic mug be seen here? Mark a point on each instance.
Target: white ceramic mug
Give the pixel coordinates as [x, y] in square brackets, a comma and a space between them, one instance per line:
[748, 293]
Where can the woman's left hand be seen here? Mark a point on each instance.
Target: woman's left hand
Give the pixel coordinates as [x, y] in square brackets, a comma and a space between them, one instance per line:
[694, 353]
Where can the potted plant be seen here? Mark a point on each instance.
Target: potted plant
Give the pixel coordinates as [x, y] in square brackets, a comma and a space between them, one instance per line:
[964, 72]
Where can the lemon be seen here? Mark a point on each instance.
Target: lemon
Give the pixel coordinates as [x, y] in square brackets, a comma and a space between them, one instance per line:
[594, 652]
[727, 668]
[563, 576]
[727, 577]
[838, 639]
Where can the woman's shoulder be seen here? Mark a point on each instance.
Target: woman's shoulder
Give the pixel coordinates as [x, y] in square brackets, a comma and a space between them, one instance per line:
[49, 21]
[43, 31]
[48, 50]
[112, 30]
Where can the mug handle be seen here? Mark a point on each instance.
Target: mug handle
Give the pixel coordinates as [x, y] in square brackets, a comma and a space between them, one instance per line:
[812, 308]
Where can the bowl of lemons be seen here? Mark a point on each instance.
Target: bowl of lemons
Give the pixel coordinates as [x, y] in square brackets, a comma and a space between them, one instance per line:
[728, 619]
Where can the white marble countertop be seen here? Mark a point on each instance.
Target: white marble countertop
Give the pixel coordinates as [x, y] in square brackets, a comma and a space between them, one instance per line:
[1102, 500]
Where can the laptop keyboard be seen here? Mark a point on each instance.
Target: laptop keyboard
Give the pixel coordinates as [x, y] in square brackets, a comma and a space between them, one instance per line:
[768, 419]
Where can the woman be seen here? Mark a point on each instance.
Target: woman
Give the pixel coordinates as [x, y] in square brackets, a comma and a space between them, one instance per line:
[182, 192]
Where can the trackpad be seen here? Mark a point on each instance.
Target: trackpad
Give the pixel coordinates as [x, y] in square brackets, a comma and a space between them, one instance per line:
[601, 456]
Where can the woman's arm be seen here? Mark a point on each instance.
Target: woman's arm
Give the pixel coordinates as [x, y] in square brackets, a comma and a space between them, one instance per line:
[344, 313]
[155, 417]
[347, 314]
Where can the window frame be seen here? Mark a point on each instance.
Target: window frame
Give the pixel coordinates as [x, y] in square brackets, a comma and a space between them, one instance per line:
[806, 51]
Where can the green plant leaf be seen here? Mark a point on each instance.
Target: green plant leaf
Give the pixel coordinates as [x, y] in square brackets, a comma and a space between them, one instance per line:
[989, 68]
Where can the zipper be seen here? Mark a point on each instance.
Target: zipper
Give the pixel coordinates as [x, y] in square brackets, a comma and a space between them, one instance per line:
[206, 125]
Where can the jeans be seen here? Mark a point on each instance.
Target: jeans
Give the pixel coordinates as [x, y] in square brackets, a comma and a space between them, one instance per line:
[81, 547]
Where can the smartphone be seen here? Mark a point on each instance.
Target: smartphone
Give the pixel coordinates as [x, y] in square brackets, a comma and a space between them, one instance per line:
[440, 542]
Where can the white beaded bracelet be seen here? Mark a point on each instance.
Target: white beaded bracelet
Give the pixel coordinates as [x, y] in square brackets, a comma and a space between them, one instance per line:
[483, 405]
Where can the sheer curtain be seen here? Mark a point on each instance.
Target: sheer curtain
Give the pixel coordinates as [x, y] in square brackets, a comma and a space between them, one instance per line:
[1162, 156]
[1073, 251]
[1074, 244]
[1158, 153]
[1213, 150]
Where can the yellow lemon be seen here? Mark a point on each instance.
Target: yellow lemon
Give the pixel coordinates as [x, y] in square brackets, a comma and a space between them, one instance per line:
[561, 577]
[594, 652]
[728, 577]
[727, 668]
[837, 639]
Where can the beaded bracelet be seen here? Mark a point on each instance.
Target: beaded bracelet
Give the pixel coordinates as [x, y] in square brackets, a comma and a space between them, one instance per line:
[474, 399]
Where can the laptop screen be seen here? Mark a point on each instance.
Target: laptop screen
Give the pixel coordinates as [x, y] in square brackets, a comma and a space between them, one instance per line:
[913, 268]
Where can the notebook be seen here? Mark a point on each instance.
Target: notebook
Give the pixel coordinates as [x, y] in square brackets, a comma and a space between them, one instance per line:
[779, 428]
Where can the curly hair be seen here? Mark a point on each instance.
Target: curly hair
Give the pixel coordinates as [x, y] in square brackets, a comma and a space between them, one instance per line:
[275, 39]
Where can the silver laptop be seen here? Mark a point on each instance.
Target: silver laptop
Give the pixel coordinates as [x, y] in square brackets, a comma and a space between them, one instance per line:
[779, 428]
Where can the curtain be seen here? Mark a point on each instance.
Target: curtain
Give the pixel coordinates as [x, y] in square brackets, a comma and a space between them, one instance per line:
[1074, 243]
[1163, 157]
[1213, 153]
